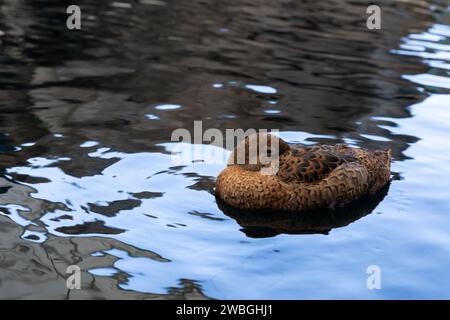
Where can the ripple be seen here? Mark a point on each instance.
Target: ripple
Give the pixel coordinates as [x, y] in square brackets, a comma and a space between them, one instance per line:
[28, 144]
[272, 111]
[435, 51]
[261, 89]
[168, 106]
[153, 2]
[152, 117]
[375, 138]
[89, 144]
[104, 272]
[122, 5]
[429, 80]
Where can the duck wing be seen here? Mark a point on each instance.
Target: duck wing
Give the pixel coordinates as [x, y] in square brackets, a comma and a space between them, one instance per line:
[311, 164]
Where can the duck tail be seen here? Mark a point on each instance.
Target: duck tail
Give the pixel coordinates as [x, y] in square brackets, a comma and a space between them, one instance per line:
[388, 152]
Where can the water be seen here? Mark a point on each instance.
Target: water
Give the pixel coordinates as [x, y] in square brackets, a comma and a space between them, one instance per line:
[87, 177]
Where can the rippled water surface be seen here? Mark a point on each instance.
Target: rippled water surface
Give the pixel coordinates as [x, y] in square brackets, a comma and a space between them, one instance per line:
[87, 176]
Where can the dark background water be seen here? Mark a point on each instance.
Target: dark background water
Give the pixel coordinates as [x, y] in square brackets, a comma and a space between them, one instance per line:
[87, 178]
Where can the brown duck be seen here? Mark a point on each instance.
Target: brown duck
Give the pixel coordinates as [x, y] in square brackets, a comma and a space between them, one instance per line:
[308, 177]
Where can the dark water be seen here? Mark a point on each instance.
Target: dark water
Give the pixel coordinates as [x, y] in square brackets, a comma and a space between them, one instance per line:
[87, 177]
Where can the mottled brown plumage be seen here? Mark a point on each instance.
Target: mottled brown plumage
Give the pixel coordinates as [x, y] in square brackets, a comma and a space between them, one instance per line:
[308, 177]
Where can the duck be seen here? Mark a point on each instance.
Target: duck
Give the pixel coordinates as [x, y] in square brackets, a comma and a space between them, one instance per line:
[299, 177]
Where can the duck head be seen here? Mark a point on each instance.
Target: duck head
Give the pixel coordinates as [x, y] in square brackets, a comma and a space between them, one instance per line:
[258, 152]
